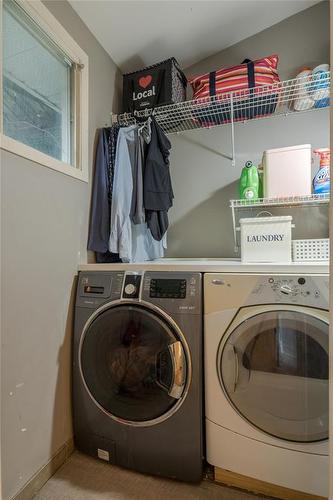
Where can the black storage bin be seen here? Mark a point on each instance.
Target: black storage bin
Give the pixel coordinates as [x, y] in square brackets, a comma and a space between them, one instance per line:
[157, 85]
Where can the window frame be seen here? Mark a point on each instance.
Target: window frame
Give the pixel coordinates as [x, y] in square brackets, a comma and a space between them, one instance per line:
[57, 33]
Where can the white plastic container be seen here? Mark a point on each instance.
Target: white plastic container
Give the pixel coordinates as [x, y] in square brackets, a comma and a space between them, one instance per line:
[287, 171]
[303, 100]
[311, 250]
[266, 239]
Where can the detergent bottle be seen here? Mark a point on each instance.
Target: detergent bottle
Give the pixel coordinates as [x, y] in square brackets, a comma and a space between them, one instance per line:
[303, 100]
[249, 182]
[321, 181]
[321, 86]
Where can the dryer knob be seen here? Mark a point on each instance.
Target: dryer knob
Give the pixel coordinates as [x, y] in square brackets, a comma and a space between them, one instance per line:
[286, 290]
[130, 289]
[218, 282]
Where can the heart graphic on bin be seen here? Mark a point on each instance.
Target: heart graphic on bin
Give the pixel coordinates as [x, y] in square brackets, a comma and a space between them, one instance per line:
[144, 81]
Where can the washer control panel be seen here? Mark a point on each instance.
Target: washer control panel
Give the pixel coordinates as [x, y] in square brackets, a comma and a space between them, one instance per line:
[131, 289]
[167, 288]
[96, 288]
[178, 292]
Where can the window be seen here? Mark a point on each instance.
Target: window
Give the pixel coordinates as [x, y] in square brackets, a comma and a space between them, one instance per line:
[44, 89]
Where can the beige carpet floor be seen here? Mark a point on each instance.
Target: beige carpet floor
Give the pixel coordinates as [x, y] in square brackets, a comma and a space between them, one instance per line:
[84, 478]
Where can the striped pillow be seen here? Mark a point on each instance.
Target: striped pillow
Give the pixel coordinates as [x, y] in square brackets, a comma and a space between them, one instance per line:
[236, 78]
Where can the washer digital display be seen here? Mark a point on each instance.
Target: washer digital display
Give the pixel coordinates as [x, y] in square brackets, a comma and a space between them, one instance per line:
[168, 288]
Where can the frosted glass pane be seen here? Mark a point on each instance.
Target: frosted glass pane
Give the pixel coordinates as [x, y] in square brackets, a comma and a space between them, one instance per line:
[36, 87]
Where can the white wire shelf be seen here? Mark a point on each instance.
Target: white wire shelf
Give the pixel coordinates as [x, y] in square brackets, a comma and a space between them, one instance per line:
[313, 199]
[291, 96]
[282, 202]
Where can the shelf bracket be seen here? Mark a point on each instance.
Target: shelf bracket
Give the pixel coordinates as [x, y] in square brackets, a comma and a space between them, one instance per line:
[233, 159]
[234, 228]
[207, 148]
[114, 119]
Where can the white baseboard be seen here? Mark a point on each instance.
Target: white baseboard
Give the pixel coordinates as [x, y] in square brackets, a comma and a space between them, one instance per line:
[39, 479]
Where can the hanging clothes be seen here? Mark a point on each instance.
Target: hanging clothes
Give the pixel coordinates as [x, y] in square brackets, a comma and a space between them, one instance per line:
[137, 213]
[157, 193]
[100, 215]
[99, 227]
[128, 237]
[112, 148]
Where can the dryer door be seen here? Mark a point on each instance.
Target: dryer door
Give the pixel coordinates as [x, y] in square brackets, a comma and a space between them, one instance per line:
[134, 363]
[273, 365]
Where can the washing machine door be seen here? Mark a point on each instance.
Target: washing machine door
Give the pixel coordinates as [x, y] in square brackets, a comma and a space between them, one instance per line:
[135, 363]
[273, 365]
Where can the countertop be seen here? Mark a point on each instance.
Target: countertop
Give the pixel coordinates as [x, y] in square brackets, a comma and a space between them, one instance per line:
[214, 266]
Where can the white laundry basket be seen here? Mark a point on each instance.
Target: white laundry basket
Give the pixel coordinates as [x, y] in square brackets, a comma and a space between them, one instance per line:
[266, 239]
[311, 250]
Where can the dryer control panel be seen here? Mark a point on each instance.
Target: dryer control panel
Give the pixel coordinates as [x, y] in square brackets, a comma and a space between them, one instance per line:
[237, 290]
[295, 287]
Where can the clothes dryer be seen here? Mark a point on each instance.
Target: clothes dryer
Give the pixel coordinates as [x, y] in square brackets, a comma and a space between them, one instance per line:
[266, 377]
[137, 371]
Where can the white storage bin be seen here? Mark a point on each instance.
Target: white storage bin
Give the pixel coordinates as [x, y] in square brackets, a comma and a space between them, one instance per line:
[266, 239]
[287, 171]
[310, 250]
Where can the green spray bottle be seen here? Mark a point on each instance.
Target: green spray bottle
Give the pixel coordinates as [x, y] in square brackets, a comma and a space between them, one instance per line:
[249, 182]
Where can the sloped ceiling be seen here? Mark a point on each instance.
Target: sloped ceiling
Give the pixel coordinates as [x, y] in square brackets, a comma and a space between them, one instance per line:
[140, 33]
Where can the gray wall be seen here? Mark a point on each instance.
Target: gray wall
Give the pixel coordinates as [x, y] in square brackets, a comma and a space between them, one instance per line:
[44, 218]
[204, 181]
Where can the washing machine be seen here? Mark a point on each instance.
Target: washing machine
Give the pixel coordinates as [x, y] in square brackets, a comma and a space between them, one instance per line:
[137, 371]
[266, 349]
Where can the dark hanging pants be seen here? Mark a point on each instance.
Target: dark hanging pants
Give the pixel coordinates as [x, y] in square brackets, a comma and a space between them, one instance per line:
[99, 228]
